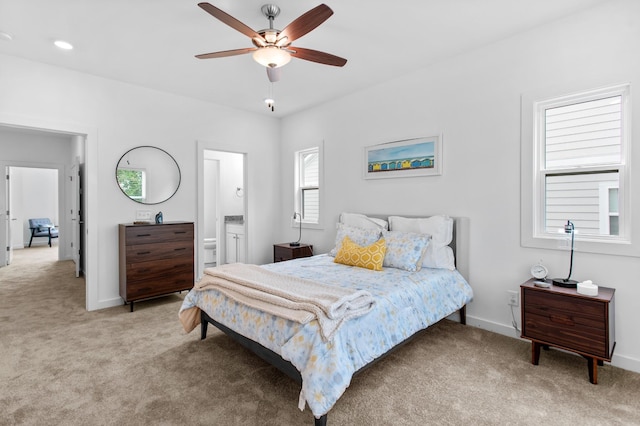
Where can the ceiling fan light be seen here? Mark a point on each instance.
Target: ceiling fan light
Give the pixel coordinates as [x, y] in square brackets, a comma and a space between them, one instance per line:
[271, 56]
[283, 42]
[270, 36]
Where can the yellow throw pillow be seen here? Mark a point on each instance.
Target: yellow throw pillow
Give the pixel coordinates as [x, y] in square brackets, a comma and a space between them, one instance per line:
[370, 257]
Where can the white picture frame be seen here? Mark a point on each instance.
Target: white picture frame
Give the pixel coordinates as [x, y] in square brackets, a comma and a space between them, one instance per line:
[404, 158]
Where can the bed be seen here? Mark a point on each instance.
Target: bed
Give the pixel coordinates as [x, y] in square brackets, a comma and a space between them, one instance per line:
[403, 303]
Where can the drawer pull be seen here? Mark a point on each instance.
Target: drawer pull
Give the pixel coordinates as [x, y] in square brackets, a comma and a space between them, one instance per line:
[178, 249]
[180, 232]
[561, 320]
[144, 252]
[143, 235]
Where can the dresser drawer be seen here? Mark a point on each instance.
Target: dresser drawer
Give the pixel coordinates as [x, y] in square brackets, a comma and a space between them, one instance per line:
[149, 288]
[148, 234]
[158, 251]
[159, 277]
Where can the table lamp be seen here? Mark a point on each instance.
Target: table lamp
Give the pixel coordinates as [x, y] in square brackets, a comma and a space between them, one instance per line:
[568, 282]
[297, 243]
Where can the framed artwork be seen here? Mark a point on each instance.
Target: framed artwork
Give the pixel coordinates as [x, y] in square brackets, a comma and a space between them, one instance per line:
[407, 158]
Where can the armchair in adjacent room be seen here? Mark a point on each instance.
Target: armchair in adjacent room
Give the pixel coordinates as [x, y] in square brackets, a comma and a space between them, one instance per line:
[42, 228]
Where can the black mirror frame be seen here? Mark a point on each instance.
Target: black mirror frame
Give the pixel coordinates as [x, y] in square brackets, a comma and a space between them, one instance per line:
[169, 155]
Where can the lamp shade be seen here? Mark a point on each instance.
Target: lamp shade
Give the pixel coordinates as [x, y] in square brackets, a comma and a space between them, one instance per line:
[271, 56]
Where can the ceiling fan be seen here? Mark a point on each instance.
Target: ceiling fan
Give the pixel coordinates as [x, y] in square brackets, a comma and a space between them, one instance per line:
[273, 47]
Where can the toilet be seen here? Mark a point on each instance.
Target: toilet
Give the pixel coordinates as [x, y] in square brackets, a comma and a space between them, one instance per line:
[210, 248]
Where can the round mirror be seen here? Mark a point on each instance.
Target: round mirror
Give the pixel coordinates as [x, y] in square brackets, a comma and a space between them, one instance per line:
[148, 175]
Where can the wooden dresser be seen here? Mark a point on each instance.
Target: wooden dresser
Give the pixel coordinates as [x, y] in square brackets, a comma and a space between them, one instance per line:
[155, 259]
[563, 318]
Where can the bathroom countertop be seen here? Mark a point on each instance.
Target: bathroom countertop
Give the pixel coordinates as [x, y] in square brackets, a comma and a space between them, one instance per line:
[236, 219]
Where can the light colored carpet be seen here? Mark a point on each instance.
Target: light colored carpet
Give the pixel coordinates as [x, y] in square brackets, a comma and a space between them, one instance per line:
[61, 365]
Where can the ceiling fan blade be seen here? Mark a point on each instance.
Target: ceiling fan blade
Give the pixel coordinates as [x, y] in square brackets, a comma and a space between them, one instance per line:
[229, 20]
[306, 22]
[274, 74]
[316, 56]
[225, 53]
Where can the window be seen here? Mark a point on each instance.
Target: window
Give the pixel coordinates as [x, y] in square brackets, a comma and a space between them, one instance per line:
[578, 166]
[307, 185]
[133, 182]
[580, 143]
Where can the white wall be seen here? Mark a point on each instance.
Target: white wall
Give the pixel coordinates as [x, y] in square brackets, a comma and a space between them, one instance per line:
[474, 100]
[119, 116]
[34, 194]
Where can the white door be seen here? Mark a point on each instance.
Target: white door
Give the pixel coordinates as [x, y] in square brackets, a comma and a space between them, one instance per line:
[74, 187]
[5, 222]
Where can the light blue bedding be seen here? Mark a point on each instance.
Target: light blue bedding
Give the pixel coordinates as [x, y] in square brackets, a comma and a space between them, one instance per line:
[406, 302]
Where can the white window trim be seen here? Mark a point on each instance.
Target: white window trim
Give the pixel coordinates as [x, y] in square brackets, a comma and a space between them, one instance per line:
[297, 198]
[604, 213]
[531, 235]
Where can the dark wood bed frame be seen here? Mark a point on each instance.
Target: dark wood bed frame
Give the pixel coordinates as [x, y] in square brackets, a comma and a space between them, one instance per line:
[460, 247]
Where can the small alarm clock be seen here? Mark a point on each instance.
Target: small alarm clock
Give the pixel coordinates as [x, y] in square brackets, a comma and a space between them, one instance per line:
[539, 271]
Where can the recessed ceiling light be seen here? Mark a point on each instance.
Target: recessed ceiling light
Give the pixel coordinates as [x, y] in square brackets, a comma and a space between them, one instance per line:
[5, 36]
[63, 44]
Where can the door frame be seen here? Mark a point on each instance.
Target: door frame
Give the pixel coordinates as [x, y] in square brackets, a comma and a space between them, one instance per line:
[90, 188]
[203, 146]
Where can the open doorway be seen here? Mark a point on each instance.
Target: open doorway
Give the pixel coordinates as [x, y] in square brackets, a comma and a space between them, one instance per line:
[33, 194]
[39, 169]
[222, 219]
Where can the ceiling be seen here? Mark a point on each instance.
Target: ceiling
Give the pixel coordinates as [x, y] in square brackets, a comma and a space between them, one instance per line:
[153, 43]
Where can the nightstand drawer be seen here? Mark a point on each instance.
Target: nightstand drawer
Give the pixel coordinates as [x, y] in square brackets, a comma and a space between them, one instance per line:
[284, 251]
[581, 309]
[566, 331]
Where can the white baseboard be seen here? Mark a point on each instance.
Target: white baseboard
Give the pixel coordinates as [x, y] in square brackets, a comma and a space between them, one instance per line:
[619, 360]
[108, 303]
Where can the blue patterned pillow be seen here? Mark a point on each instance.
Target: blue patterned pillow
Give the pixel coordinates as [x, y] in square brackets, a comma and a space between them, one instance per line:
[405, 250]
[360, 236]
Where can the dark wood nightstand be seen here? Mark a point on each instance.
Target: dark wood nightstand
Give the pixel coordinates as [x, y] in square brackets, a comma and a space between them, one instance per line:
[563, 318]
[284, 251]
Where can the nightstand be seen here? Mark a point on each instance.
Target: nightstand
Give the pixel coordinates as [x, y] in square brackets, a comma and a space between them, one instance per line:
[563, 318]
[284, 251]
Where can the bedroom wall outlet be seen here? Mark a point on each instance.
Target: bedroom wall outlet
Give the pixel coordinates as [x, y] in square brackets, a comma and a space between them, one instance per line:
[143, 215]
[513, 298]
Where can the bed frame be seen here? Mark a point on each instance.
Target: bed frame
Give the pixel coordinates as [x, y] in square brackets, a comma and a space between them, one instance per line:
[460, 246]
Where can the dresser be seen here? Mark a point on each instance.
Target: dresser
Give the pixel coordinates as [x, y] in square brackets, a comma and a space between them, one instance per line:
[563, 318]
[285, 251]
[155, 259]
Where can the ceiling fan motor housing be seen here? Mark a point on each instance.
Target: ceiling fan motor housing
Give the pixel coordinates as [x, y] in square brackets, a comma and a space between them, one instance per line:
[270, 11]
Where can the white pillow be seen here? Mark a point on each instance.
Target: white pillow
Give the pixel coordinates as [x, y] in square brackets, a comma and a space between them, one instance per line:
[358, 220]
[360, 236]
[439, 254]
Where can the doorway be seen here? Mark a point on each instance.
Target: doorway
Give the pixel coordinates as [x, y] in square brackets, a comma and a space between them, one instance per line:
[222, 219]
[36, 163]
[33, 193]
